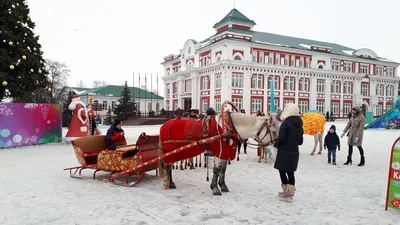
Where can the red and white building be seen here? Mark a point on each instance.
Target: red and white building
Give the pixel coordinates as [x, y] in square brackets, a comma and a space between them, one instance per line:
[237, 64]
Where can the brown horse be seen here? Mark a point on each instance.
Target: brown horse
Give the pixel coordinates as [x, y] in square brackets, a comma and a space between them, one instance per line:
[179, 132]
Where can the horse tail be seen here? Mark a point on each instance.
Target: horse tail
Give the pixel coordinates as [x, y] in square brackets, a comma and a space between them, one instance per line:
[160, 162]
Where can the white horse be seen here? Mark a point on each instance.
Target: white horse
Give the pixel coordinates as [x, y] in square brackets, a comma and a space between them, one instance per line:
[261, 128]
[266, 151]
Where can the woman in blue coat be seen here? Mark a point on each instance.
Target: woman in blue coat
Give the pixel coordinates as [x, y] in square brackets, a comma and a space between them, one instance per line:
[290, 137]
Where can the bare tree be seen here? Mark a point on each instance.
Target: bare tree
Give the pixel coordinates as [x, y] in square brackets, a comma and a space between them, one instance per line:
[155, 91]
[144, 87]
[99, 83]
[80, 84]
[58, 73]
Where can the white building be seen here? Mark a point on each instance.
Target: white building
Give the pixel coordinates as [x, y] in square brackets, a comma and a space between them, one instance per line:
[236, 63]
[108, 96]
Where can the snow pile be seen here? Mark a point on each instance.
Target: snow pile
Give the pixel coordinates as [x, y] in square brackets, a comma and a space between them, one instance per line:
[348, 52]
[35, 190]
[269, 43]
[305, 46]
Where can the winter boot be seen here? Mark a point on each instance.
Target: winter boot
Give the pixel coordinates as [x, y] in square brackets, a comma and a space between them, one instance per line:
[362, 162]
[284, 189]
[329, 161]
[290, 191]
[348, 161]
[334, 162]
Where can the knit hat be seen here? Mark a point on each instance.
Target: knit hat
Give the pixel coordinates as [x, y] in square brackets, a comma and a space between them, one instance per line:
[333, 127]
[242, 111]
[210, 111]
[116, 122]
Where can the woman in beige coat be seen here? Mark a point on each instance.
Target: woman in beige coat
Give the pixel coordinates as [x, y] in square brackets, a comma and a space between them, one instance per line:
[355, 126]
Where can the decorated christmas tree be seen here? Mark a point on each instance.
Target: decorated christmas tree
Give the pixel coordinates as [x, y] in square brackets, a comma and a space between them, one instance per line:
[22, 67]
[126, 106]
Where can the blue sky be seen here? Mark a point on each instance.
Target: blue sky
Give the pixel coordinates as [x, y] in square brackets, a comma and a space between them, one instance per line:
[109, 40]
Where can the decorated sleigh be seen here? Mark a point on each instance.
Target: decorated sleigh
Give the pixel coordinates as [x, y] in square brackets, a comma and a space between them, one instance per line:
[91, 153]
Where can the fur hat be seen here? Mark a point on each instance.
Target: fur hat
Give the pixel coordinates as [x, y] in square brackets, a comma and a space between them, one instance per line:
[290, 110]
[357, 109]
[333, 127]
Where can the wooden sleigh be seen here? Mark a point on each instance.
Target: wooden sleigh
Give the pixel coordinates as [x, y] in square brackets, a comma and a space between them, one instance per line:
[91, 153]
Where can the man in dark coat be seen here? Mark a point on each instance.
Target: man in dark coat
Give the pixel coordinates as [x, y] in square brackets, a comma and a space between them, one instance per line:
[210, 111]
[115, 136]
[193, 114]
[290, 137]
[244, 141]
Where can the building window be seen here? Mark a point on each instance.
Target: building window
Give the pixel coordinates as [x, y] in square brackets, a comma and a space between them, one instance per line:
[218, 58]
[168, 88]
[218, 105]
[277, 59]
[205, 83]
[157, 107]
[335, 65]
[335, 86]
[254, 57]
[285, 102]
[189, 65]
[321, 107]
[303, 106]
[271, 58]
[389, 91]
[301, 62]
[176, 105]
[175, 87]
[113, 104]
[348, 67]
[335, 108]
[346, 108]
[321, 86]
[379, 110]
[276, 82]
[347, 87]
[364, 68]
[275, 104]
[261, 58]
[292, 63]
[257, 81]
[189, 50]
[204, 103]
[218, 80]
[303, 86]
[237, 80]
[379, 70]
[390, 72]
[256, 105]
[364, 89]
[379, 89]
[238, 58]
[307, 62]
[149, 107]
[289, 84]
[188, 85]
[238, 103]
[167, 107]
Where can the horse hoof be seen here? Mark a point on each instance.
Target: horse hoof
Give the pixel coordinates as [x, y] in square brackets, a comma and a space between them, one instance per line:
[217, 193]
[319, 153]
[172, 186]
[224, 189]
[312, 153]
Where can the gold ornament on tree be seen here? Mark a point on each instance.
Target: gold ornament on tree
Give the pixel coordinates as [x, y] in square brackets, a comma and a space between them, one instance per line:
[11, 67]
[49, 89]
[4, 83]
[39, 71]
[24, 57]
[32, 71]
[13, 6]
[10, 43]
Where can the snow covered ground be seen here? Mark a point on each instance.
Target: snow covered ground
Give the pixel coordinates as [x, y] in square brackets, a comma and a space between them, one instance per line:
[35, 190]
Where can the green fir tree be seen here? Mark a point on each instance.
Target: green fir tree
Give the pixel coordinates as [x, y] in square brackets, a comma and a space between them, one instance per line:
[126, 106]
[22, 67]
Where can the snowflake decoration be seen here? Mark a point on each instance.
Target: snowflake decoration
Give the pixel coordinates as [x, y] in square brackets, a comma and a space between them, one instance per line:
[396, 165]
[9, 143]
[34, 139]
[45, 112]
[30, 105]
[48, 122]
[4, 110]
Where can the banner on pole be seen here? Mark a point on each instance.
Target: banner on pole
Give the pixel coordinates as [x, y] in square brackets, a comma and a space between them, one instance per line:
[393, 186]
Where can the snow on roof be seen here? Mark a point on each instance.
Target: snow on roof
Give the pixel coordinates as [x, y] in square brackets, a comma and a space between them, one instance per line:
[269, 43]
[348, 52]
[305, 46]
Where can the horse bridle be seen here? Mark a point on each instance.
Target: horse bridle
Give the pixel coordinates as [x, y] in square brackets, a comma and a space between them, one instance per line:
[268, 131]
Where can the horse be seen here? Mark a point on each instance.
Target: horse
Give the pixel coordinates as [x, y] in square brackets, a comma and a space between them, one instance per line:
[314, 124]
[266, 150]
[179, 132]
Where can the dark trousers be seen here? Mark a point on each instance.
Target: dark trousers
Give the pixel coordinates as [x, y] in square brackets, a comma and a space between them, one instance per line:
[244, 145]
[115, 145]
[287, 177]
[332, 152]
[359, 148]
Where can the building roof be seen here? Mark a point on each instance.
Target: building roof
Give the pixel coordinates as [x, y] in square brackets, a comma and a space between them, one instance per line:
[115, 91]
[235, 15]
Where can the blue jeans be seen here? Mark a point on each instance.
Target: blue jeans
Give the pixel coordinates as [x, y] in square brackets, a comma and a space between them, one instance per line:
[333, 153]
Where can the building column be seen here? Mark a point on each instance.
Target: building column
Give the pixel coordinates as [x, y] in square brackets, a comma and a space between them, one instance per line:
[328, 84]
[195, 85]
[296, 87]
[226, 87]
[281, 81]
[313, 93]
[266, 90]
[212, 90]
[171, 94]
[357, 101]
[180, 91]
[246, 91]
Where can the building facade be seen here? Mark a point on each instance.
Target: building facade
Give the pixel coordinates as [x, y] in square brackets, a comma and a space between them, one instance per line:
[238, 63]
[107, 96]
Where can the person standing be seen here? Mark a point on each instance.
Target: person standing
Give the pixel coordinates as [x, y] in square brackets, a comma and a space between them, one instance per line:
[193, 114]
[332, 142]
[289, 139]
[355, 126]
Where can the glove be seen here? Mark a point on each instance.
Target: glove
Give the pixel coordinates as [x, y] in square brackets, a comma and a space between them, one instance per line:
[325, 147]
[338, 148]
[356, 140]
[341, 136]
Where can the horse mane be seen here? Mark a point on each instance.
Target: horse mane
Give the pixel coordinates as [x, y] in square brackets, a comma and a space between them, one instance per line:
[241, 119]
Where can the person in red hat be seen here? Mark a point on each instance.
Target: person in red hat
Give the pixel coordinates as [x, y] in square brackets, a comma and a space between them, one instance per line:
[79, 123]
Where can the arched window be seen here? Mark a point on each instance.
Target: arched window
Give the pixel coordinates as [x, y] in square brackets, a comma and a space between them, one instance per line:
[321, 67]
[189, 65]
[237, 57]
[218, 58]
